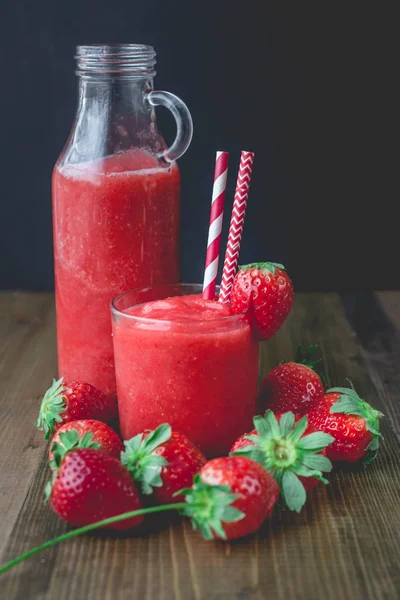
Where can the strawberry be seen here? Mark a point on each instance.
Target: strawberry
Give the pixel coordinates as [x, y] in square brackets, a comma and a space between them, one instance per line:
[256, 493]
[90, 434]
[89, 485]
[290, 451]
[353, 422]
[264, 291]
[64, 402]
[162, 462]
[292, 386]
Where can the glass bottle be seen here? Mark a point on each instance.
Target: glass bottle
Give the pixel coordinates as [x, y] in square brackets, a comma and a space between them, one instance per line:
[116, 198]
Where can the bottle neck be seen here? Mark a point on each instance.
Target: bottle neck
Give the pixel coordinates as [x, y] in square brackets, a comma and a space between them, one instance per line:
[112, 116]
[113, 113]
[114, 97]
[118, 75]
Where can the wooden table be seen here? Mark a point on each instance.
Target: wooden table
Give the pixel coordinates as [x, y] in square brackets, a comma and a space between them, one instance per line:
[344, 545]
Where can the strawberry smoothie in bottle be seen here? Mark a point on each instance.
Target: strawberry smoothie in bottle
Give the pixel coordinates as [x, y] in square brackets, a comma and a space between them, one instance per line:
[116, 198]
[186, 361]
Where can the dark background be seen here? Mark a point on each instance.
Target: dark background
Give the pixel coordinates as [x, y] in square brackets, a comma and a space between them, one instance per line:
[308, 86]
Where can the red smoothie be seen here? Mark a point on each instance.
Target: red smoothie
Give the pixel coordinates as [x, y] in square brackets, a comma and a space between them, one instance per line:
[116, 225]
[188, 362]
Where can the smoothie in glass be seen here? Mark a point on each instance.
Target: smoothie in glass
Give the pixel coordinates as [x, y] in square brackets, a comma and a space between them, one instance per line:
[116, 225]
[186, 361]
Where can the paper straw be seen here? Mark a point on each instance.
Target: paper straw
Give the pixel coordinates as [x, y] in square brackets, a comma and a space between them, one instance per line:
[236, 226]
[214, 231]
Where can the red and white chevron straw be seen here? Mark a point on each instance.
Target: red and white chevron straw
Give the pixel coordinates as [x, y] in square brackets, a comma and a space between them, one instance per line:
[214, 231]
[236, 226]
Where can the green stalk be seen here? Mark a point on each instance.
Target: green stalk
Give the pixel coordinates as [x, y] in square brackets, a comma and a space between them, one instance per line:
[75, 532]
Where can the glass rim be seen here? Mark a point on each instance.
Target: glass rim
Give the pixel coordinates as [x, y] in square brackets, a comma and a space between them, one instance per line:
[139, 319]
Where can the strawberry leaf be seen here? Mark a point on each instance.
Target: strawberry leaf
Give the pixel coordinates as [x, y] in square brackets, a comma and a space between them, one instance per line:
[298, 429]
[307, 357]
[318, 440]
[346, 405]
[48, 490]
[157, 437]
[261, 425]
[342, 390]
[373, 430]
[374, 445]
[251, 451]
[293, 491]
[317, 461]
[86, 441]
[372, 451]
[303, 471]
[286, 423]
[263, 266]
[216, 526]
[51, 408]
[232, 514]
[271, 419]
[151, 477]
[252, 437]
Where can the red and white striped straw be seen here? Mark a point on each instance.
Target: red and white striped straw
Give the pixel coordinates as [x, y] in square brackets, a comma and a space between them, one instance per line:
[236, 226]
[214, 231]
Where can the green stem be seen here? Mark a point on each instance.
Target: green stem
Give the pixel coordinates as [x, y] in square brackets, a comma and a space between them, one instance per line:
[75, 532]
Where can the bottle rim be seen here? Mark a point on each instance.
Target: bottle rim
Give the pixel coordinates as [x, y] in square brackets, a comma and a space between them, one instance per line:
[136, 59]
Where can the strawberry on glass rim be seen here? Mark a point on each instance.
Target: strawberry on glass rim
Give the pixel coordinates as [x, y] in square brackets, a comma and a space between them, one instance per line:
[290, 450]
[264, 292]
[64, 402]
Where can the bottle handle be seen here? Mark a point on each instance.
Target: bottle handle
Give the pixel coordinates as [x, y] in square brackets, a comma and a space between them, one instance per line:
[183, 119]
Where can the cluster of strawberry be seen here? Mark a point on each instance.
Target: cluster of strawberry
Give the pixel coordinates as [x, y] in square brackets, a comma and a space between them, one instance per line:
[97, 481]
[96, 477]
[305, 429]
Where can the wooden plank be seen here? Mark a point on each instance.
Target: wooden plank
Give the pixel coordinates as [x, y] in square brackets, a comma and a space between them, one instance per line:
[27, 361]
[343, 545]
[379, 340]
[391, 305]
